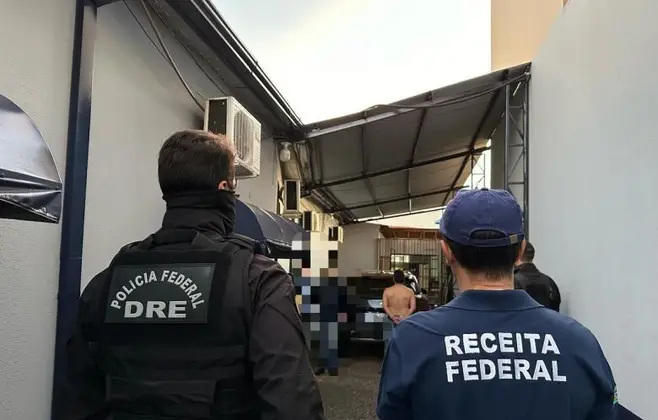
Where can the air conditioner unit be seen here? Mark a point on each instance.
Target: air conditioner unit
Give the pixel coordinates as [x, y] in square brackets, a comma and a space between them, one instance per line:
[226, 116]
[336, 233]
[312, 221]
[291, 197]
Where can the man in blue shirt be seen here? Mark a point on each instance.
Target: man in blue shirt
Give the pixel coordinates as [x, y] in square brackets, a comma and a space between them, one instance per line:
[493, 352]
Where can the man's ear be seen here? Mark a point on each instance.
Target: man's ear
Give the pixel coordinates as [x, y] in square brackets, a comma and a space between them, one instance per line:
[447, 253]
[521, 251]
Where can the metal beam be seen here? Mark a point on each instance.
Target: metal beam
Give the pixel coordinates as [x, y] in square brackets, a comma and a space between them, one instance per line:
[364, 168]
[354, 222]
[324, 195]
[478, 130]
[100, 3]
[318, 155]
[394, 170]
[410, 162]
[507, 122]
[329, 197]
[311, 165]
[398, 199]
[400, 109]
[478, 170]
[526, 159]
[516, 147]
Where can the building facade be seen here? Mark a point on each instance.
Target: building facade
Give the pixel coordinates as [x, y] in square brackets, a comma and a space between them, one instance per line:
[518, 27]
[137, 102]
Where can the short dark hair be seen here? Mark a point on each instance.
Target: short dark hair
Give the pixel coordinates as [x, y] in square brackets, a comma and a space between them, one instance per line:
[529, 253]
[195, 160]
[398, 276]
[493, 262]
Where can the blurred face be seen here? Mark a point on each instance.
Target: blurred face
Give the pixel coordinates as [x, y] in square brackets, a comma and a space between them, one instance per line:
[321, 263]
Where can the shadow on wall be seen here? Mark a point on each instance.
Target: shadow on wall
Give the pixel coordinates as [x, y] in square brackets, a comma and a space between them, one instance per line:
[30, 185]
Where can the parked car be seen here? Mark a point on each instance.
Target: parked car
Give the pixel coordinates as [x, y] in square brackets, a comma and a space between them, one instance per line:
[367, 320]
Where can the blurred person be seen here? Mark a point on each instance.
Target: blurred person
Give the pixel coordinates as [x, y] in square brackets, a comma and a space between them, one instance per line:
[493, 352]
[323, 294]
[193, 322]
[538, 285]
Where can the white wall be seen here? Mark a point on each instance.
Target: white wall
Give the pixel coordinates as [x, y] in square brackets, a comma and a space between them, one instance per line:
[138, 102]
[358, 251]
[593, 175]
[35, 43]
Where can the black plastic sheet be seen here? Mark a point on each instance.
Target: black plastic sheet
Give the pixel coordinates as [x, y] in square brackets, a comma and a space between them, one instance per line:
[30, 186]
[264, 226]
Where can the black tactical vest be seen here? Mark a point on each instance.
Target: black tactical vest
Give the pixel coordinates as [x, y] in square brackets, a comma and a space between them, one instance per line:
[173, 338]
[538, 288]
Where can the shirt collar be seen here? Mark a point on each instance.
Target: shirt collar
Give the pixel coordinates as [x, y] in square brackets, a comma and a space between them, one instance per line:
[493, 300]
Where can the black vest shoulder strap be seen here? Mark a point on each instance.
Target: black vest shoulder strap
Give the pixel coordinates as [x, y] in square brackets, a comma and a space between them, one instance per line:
[178, 236]
[246, 242]
[134, 246]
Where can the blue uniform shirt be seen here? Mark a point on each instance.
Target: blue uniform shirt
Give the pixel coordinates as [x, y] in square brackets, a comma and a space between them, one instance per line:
[495, 355]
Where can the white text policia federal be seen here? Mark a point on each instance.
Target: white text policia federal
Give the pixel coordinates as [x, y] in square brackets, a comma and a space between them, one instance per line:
[134, 309]
[515, 367]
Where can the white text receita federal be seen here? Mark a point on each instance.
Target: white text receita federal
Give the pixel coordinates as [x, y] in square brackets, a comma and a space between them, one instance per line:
[521, 356]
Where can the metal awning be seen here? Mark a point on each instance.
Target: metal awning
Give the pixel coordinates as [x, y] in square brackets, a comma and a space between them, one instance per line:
[264, 226]
[407, 156]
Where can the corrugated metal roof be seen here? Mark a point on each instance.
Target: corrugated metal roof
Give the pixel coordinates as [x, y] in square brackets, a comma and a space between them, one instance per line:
[410, 155]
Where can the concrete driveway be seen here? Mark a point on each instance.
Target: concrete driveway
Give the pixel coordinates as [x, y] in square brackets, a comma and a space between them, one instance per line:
[352, 394]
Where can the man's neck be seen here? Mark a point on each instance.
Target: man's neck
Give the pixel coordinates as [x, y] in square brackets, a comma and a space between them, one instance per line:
[481, 282]
[502, 285]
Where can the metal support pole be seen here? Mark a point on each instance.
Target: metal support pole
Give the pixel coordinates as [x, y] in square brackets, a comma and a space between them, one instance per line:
[473, 162]
[75, 192]
[508, 94]
[526, 157]
[483, 167]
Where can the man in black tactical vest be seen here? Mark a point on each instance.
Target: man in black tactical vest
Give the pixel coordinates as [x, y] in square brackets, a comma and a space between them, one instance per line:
[193, 322]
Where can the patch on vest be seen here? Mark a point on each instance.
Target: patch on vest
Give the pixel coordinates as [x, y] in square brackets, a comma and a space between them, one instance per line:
[166, 293]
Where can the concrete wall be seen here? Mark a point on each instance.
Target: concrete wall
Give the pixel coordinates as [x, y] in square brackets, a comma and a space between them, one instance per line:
[358, 252]
[517, 29]
[35, 74]
[593, 179]
[137, 102]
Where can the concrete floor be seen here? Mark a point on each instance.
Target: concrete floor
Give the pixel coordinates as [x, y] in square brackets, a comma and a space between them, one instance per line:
[352, 394]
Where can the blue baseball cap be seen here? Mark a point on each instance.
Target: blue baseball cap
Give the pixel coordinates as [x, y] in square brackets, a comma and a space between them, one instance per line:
[483, 210]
